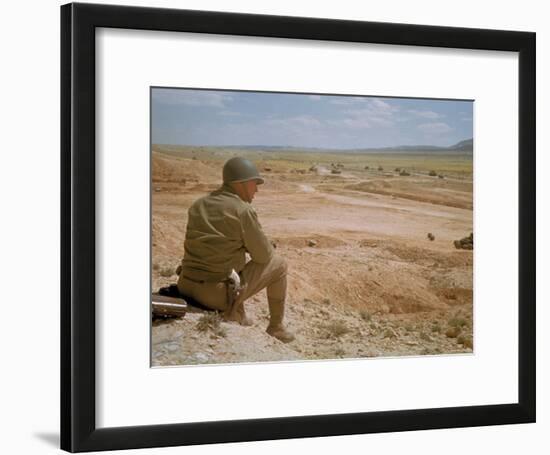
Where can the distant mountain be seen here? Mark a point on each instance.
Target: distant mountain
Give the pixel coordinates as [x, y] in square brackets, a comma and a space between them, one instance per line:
[466, 146]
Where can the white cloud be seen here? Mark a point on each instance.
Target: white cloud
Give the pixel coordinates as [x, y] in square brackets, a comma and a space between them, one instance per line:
[374, 112]
[348, 100]
[351, 123]
[300, 121]
[435, 128]
[380, 121]
[425, 114]
[379, 104]
[190, 97]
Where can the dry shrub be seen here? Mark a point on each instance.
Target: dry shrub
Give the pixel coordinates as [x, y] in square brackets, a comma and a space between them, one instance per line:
[458, 322]
[339, 352]
[337, 328]
[211, 321]
[166, 272]
[365, 315]
[466, 341]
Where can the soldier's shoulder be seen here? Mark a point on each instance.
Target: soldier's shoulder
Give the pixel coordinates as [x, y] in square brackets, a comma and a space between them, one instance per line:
[233, 203]
[223, 199]
[234, 200]
[199, 201]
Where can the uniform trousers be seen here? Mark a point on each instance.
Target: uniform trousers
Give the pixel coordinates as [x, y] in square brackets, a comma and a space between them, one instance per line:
[254, 278]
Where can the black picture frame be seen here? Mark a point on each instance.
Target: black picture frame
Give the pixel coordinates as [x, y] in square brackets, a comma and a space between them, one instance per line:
[78, 174]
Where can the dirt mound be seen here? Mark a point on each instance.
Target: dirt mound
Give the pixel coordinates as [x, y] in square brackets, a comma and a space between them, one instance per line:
[352, 280]
[429, 257]
[172, 169]
[416, 190]
[167, 239]
[370, 185]
[313, 241]
[456, 296]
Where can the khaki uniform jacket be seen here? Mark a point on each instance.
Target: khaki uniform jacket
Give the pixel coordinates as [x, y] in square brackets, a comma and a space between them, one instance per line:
[221, 228]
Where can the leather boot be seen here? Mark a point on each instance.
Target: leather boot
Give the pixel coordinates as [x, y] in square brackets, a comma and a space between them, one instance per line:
[276, 328]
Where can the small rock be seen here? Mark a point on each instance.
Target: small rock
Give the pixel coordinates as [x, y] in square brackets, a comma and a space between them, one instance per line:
[465, 341]
[200, 357]
[390, 333]
[172, 346]
[311, 242]
[424, 336]
[431, 237]
[452, 332]
[384, 309]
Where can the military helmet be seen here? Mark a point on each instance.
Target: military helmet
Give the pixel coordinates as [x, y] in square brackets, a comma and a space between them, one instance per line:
[239, 169]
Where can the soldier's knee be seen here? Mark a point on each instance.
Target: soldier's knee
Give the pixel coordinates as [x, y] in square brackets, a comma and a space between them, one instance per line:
[280, 264]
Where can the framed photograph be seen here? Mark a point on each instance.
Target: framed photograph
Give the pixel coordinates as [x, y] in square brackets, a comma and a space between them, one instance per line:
[268, 227]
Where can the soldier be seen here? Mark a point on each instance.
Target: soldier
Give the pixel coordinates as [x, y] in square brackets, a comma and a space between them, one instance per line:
[222, 226]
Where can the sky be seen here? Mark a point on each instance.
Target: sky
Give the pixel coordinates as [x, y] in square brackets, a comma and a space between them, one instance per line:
[217, 118]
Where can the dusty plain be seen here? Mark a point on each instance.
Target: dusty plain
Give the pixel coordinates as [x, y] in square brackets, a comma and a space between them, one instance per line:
[364, 278]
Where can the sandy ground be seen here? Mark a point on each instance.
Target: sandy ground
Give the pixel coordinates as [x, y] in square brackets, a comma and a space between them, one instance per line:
[364, 280]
